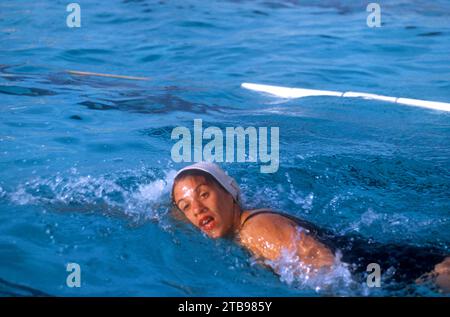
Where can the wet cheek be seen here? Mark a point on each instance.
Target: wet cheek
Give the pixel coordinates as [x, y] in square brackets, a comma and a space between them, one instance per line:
[225, 223]
[190, 218]
[219, 223]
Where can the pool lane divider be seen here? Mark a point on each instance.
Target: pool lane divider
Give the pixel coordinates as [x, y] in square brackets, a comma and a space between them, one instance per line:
[75, 72]
[293, 93]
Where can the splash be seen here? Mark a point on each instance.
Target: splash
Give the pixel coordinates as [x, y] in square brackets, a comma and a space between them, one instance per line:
[336, 280]
[133, 193]
[305, 202]
[398, 227]
[2, 193]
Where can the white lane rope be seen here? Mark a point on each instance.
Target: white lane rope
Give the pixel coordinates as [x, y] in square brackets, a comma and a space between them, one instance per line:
[292, 93]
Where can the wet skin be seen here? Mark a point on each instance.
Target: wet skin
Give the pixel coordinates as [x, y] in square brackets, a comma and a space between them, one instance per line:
[213, 211]
[201, 202]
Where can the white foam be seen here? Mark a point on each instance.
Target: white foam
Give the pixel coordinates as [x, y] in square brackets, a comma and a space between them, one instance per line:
[98, 192]
[154, 190]
[306, 202]
[291, 269]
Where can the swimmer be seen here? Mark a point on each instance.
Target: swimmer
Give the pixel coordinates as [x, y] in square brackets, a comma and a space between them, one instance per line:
[210, 200]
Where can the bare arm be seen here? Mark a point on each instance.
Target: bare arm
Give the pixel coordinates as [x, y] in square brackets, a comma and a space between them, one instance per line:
[268, 234]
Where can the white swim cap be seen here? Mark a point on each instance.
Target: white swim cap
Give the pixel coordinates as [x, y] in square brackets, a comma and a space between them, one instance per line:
[219, 175]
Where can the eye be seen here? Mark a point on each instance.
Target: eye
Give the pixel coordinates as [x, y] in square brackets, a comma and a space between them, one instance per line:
[204, 195]
[186, 207]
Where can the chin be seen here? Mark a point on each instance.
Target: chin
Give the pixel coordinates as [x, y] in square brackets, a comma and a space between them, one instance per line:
[216, 232]
[214, 235]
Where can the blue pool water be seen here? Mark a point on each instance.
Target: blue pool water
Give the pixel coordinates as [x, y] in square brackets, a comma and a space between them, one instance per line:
[85, 161]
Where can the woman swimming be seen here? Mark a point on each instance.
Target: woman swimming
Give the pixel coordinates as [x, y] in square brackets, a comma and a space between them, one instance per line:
[210, 200]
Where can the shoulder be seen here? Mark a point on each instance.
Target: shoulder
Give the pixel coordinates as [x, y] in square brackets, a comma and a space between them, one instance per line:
[266, 234]
[265, 221]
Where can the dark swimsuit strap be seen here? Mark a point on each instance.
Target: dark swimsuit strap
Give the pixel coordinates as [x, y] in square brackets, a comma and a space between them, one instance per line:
[321, 234]
[297, 221]
[258, 212]
[409, 261]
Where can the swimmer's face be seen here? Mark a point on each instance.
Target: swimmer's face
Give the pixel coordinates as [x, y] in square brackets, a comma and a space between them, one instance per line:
[206, 205]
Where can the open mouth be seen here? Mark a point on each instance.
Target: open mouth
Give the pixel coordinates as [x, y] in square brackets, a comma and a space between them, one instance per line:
[207, 223]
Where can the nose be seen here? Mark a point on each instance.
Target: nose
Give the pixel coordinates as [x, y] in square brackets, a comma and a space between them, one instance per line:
[198, 207]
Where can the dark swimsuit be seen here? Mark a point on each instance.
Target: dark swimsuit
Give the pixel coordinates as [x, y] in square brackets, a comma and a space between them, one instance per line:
[409, 262]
